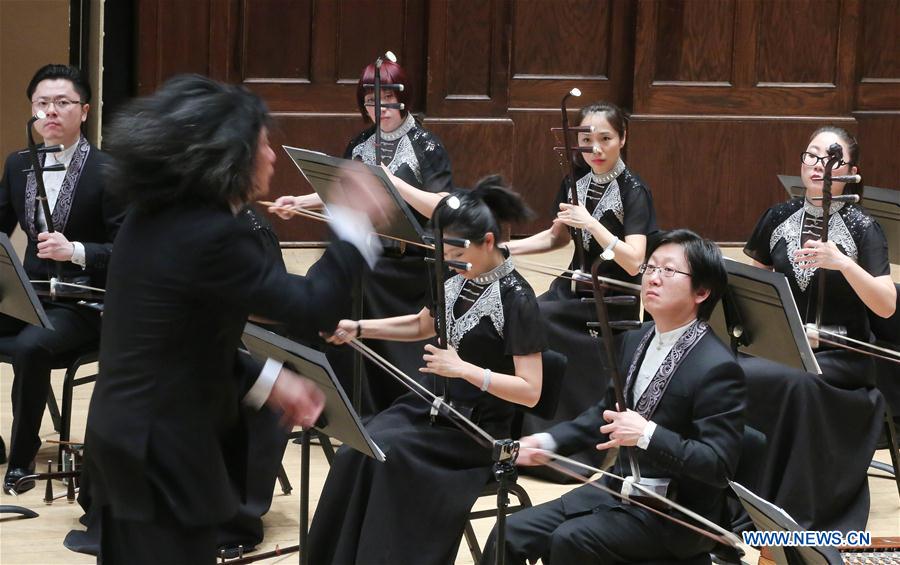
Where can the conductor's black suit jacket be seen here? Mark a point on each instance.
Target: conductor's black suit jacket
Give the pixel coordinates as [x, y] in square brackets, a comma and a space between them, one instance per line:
[181, 284]
[700, 423]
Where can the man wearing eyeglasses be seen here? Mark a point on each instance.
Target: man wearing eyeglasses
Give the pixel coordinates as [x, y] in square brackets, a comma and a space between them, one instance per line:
[85, 218]
[684, 423]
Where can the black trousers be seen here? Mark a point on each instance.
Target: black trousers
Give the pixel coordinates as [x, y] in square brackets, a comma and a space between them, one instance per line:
[162, 540]
[254, 457]
[33, 351]
[607, 534]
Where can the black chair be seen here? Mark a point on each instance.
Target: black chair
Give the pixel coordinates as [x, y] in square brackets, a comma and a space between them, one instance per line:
[71, 362]
[886, 332]
[554, 371]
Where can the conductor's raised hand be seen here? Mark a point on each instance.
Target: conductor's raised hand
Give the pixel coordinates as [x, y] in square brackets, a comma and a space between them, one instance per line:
[359, 190]
[298, 399]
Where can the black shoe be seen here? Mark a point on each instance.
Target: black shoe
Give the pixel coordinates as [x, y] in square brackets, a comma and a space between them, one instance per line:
[2, 452]
[233, 551]
[13, 474]
[83, 542]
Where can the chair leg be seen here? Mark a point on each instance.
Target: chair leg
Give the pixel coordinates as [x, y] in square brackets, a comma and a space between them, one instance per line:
[54, 410]
[472, 542]
[284, 481]
[66, 414]
[521, 495]
[891, 433]
[327, 446]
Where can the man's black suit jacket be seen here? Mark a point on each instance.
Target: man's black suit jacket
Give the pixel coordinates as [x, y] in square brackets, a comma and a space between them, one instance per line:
[94, 219]
[181, 284]
[699, 426]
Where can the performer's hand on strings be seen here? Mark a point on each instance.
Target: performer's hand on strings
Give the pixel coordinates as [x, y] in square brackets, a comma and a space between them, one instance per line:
[822, 255]
[624, 428]
[345, 331]
[444, 362]
[530, 453]
[54, 246]
[574, 216]
[299, 400]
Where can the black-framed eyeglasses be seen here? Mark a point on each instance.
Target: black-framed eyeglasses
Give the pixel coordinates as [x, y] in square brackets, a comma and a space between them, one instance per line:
[648, 269]
[61, 104]
[812, 160]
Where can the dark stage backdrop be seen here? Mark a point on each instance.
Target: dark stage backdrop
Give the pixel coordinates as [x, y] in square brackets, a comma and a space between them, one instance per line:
[723, 92]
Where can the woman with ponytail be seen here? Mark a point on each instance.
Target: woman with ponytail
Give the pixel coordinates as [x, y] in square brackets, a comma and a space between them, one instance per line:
[412, 508]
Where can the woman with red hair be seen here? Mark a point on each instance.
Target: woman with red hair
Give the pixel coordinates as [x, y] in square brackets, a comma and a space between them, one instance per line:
[419, 166]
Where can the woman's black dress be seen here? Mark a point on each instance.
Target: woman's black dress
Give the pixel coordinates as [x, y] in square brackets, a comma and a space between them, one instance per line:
[624, 206]
[399, 283]
[412, 508]
[821, 430]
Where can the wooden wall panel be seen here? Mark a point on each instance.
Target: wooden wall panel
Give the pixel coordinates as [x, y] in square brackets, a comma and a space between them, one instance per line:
[573, 43]
[277, 40]
[174, 38]
[725, 92]
[783, 66]
[786, 56]
[879, 87]
[702, 53]
[879, 134]
[543, 33]
[717, 175]
[468, 52]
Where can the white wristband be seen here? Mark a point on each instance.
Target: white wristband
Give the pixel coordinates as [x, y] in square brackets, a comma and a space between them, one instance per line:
[608, 253]
[486, 381]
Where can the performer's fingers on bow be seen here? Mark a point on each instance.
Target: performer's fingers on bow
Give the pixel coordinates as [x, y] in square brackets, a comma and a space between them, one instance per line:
[345, 331]
[283, 206]
[530, 453]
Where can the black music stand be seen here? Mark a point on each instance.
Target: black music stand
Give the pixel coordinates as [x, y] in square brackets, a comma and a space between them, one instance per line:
[18, 300]
[883, 204]
[338, 420]
[770, 518]
[324, 173]
[758, 316]
[17, 297]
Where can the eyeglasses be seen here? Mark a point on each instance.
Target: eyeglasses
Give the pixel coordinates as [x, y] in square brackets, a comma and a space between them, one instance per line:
[647, 270]
[61, 104]
[812, 160]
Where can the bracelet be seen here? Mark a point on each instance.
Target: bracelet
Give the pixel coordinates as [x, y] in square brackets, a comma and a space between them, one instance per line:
[608, 253]
[358, 329]
[486, 381]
